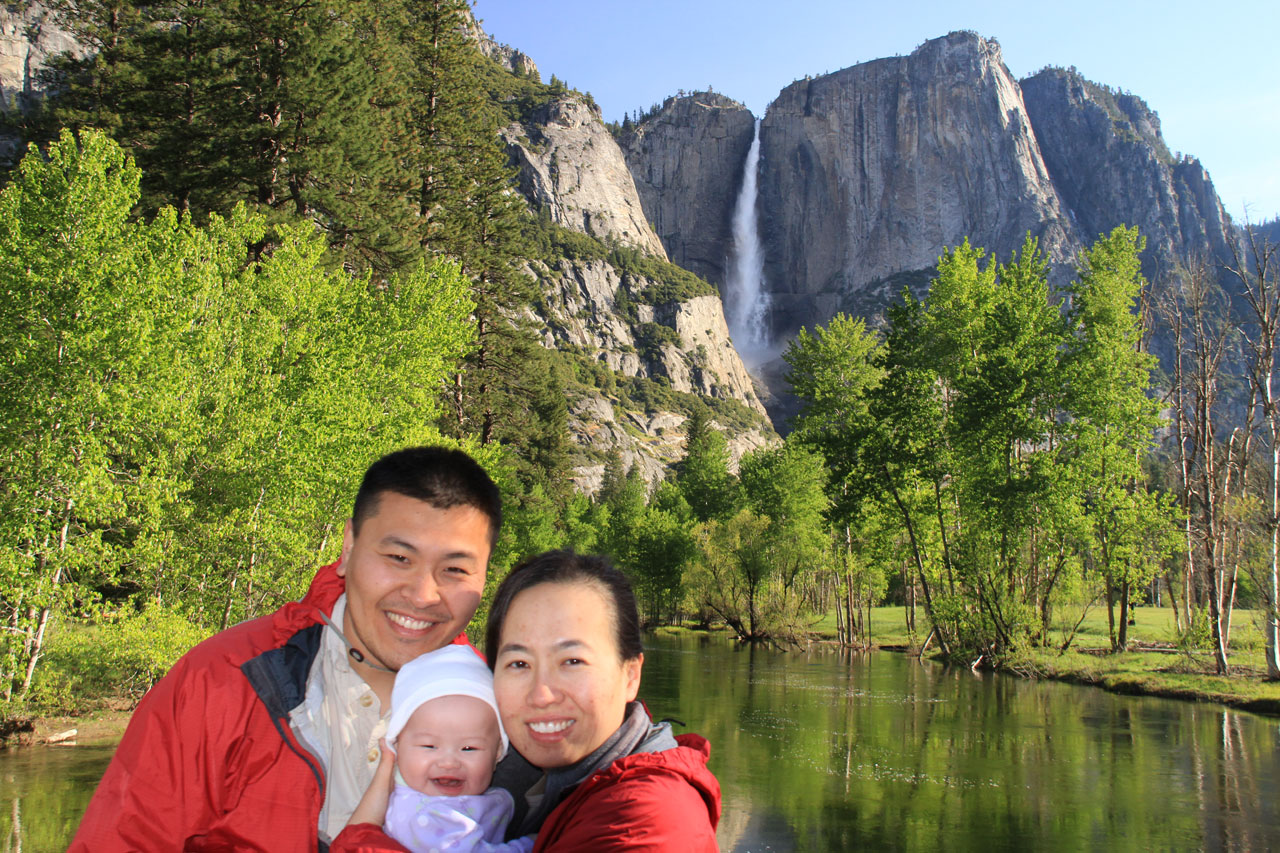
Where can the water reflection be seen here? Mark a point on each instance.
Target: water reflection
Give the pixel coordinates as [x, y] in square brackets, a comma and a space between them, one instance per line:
[43, 793]
[829, 750]
[834, 750]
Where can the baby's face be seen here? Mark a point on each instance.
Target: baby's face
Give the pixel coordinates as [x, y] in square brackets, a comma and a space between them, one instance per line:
[449, 747]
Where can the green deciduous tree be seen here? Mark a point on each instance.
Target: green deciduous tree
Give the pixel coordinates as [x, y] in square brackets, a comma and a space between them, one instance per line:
[180, 421]
[1113, 420]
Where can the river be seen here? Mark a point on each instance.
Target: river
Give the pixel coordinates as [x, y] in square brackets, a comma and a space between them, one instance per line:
[829, 750]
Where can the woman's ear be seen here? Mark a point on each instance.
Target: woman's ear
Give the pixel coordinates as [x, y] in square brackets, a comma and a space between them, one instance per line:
[631, 670]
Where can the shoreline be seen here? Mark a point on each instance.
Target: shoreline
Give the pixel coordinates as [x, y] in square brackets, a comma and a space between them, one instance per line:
[1091, 671]
[99, 726]
[1159, 674]
[1130, 674]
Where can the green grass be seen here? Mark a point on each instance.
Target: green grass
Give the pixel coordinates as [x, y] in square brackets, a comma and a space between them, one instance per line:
[1157, 667]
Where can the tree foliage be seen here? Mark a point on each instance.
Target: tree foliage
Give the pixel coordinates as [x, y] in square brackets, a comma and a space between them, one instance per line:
[995, 440]
[180, 420]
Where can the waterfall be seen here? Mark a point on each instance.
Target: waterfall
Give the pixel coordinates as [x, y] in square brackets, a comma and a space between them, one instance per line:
[746, 298]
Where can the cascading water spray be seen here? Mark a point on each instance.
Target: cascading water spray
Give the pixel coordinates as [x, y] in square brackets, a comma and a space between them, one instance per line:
[748, 302]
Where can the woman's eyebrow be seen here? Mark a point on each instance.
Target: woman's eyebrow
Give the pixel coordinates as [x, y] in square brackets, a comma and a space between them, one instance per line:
[560, 646]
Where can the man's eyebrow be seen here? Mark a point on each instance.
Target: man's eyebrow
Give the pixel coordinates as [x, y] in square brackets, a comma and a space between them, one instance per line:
[394, 541]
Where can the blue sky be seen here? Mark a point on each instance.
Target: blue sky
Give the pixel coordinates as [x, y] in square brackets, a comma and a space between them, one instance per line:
[1209, 69]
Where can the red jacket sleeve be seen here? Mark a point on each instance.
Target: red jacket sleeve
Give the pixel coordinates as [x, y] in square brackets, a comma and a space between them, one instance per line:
[150, 797]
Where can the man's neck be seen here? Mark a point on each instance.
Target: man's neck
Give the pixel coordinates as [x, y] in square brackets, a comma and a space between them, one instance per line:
[380, 681]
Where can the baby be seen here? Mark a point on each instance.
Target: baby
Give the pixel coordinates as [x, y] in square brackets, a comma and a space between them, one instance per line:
[447, 737]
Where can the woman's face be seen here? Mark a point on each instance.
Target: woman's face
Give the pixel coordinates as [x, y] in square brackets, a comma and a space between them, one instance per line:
[560, 684]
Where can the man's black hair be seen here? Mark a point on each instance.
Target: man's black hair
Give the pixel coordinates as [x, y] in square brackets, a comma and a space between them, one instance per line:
[439, 476]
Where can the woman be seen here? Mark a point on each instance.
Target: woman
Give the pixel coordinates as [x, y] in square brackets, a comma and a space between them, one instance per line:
[563, 640]
[593, 772]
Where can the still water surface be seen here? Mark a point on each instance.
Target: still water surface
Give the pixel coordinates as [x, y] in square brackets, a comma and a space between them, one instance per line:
[830, 751]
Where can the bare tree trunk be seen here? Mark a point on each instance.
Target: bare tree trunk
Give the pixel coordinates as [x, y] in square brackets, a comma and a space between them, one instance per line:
[1111, 614]
[36, 644]
[916, 553]
[1262, 293]
[1123, 640]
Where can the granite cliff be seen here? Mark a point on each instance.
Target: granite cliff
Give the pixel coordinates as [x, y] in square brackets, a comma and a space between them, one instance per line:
[28, 37]
[687, 161]
[571, 167]
[653, 346]
[649, 356]
[867, 174]
[1110, 163]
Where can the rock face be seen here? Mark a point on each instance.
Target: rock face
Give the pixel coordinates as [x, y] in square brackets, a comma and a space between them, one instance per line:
[687, 161]
[582, 313]
[869, 172]
[508, 57]
[571, 167]
[1111, 166]
[29, 35]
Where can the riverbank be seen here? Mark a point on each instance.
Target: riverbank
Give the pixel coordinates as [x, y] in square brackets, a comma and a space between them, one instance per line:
[1158, 672]
[101, 725]
[1156, 666]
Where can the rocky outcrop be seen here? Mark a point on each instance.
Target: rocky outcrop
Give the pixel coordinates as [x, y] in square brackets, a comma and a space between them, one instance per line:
[508, 57]
[571, 168]
[869, 172]
[29, 35]
[602, 315]
[1110, 163]
[687, 161]
[693, 356]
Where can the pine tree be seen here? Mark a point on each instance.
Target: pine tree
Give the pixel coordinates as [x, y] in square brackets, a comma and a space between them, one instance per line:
[703, 474]
[296, 108]
[470, 210]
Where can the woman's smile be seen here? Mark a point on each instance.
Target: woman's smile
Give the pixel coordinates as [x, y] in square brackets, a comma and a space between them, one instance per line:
[550, 727]
[559, 678]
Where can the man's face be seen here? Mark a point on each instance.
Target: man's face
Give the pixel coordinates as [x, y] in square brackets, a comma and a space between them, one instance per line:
[414, 575]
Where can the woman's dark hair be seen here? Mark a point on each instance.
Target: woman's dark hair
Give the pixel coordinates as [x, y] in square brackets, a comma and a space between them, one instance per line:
[568, 567]
[440, 476]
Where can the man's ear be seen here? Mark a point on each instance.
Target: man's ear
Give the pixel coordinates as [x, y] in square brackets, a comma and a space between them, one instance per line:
[348, 540]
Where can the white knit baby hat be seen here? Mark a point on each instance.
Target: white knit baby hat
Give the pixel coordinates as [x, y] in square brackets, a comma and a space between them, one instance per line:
[454, 670]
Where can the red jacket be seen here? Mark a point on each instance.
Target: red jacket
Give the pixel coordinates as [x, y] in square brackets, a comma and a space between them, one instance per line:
[661, 802]
[209, 761]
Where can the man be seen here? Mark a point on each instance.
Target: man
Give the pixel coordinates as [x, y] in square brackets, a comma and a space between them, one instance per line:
[265, 736]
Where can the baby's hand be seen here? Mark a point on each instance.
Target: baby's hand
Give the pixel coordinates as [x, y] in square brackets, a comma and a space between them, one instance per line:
[373, 805]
